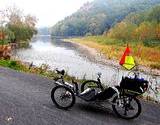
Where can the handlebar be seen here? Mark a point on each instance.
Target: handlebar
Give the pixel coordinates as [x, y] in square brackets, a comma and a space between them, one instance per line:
[135, 73]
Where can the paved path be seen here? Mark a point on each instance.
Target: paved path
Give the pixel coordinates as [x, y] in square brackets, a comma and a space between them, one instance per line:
[25, 100]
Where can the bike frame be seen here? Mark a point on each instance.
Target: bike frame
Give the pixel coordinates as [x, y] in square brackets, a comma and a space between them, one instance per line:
[76, 90]
[99, 81]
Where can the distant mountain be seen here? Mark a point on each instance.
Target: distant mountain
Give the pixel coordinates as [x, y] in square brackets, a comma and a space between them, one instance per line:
[43, 31]
[93, 18]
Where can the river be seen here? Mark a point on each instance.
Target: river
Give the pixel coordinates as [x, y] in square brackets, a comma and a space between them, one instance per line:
[62, 55]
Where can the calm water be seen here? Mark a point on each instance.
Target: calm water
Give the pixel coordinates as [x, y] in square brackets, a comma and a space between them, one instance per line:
[61, 55]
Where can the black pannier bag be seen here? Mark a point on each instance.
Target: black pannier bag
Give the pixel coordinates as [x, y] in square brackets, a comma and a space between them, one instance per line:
[133, 86]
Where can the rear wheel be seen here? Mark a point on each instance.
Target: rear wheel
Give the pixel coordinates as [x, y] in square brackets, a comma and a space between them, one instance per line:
[126, 107]
[62, 97]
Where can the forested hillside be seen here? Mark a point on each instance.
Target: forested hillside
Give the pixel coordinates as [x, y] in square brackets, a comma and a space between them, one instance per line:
[96, 17]
[142, 27]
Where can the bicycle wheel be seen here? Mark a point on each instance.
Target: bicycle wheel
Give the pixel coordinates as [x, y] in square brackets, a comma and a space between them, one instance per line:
[126, 107]
[62, 97]
[90, 84]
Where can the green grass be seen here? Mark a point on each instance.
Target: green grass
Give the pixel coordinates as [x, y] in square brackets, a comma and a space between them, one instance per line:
[105, 40]
[152, 43]
[43, 70]
[109, 41]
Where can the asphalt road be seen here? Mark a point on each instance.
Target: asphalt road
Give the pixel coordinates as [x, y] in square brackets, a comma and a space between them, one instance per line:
[25, 100]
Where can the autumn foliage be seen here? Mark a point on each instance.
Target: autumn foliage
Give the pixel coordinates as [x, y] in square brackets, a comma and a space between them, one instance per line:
[144, 27]
[16, 26]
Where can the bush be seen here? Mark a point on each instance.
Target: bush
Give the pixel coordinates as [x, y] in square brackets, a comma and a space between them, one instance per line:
[151, 43]
[155, 66]
[11, 64]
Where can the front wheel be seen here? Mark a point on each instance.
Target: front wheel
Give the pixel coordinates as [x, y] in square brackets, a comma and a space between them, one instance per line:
[62, 97]
[126, 107]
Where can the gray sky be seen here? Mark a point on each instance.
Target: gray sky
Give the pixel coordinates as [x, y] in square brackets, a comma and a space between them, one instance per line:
[48, 12]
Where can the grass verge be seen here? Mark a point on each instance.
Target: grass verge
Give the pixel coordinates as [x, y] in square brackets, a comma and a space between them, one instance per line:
[43, 70]
[114, 49]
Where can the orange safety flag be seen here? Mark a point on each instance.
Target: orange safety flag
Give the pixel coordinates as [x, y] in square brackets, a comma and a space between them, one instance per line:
[127, 61]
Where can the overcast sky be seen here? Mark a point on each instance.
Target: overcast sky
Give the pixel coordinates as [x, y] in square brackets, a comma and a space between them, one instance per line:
[48, 12]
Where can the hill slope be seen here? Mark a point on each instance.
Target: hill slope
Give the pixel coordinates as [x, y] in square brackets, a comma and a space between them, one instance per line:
[98, 16]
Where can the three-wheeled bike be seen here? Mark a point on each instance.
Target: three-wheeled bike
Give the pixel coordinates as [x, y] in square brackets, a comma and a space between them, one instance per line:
[123, 97]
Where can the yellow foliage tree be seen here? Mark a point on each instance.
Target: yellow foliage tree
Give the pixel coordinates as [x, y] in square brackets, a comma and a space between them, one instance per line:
[122, 30]
[146, 31]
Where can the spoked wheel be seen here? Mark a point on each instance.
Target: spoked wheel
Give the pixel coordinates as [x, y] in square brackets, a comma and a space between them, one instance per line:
[90, 84]
[62, 97]
[126, 107]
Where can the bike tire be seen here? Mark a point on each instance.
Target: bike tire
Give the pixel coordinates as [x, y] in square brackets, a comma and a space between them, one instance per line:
[67, 90]
[124, 116]
[90, 84]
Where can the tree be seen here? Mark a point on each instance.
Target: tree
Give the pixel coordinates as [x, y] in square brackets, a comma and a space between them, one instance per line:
[154, 14]
[14, 15]
[23, 26]
[146, 31]
[122, 30]
[30, 21]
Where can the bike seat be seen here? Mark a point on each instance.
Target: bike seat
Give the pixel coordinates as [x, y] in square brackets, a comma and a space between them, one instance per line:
[62, 72]
[88, 94]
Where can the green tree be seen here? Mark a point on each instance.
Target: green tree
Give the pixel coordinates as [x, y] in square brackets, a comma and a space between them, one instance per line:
[23, 26]
[154, 14]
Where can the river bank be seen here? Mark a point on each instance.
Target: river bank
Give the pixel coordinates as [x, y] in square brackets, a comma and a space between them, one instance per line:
[96, 55]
